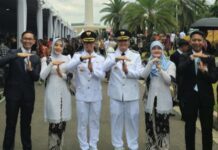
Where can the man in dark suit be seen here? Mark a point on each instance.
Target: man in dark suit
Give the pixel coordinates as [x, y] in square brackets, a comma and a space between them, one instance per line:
[183, 48]
[24, 69]
[198, 72]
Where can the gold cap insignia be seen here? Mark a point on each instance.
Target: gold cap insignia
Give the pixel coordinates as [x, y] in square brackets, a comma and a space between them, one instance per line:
[88, 33]
[122, 32]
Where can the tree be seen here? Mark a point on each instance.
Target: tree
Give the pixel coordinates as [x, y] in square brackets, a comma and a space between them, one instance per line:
[214, 9]
[153, 14]
[113, 12]
[189, 11]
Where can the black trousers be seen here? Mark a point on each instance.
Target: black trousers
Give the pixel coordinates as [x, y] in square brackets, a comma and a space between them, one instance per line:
[25, 105]
[181, 107]
[192, 108]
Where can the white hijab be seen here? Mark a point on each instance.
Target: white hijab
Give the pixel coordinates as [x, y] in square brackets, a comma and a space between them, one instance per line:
[54, 55]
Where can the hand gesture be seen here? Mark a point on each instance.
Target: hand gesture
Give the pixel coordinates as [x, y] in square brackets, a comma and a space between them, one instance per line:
[86, 57]
[90, 66]
[59, 71]
[122, 58]
[155, 60]
[198, 55]
[24, 55]
[57, 62]
[29, 66]
[202, 67]
[158, 66]
[125, 69]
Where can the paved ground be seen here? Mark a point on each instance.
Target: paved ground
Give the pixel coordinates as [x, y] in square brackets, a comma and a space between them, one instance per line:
[40, 128]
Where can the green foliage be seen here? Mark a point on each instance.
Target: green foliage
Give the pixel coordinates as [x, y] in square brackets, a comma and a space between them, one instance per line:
[156, 15]
[189, 11]
[214, 9]
[113, 15]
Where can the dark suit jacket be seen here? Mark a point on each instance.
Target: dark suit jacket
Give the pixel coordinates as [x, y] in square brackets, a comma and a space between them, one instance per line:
[18, 80]
[175, 57]
[204, 80]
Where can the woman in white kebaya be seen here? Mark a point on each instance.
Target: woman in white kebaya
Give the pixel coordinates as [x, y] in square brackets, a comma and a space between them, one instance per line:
[57, 96]
[158, 107]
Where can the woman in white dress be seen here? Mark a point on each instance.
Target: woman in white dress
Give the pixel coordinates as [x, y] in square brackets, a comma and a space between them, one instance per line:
[57, 96]
[161, 72]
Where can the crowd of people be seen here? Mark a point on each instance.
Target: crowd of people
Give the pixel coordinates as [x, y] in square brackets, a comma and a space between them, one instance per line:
[78, 66]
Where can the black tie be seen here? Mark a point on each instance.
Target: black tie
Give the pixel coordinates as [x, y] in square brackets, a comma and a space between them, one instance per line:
[123, 54]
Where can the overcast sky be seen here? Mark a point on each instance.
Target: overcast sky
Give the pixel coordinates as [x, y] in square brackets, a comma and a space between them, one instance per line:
[73, 10]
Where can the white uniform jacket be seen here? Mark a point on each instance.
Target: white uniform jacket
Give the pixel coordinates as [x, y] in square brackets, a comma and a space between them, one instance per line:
[87, 84]
[124, 87]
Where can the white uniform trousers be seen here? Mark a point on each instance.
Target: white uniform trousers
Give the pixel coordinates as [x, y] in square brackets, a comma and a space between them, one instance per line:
[88, 114]
[124, 113]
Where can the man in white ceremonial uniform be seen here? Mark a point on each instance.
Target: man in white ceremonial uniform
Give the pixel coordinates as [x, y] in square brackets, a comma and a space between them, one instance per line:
[125, 66]
[88, 73]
